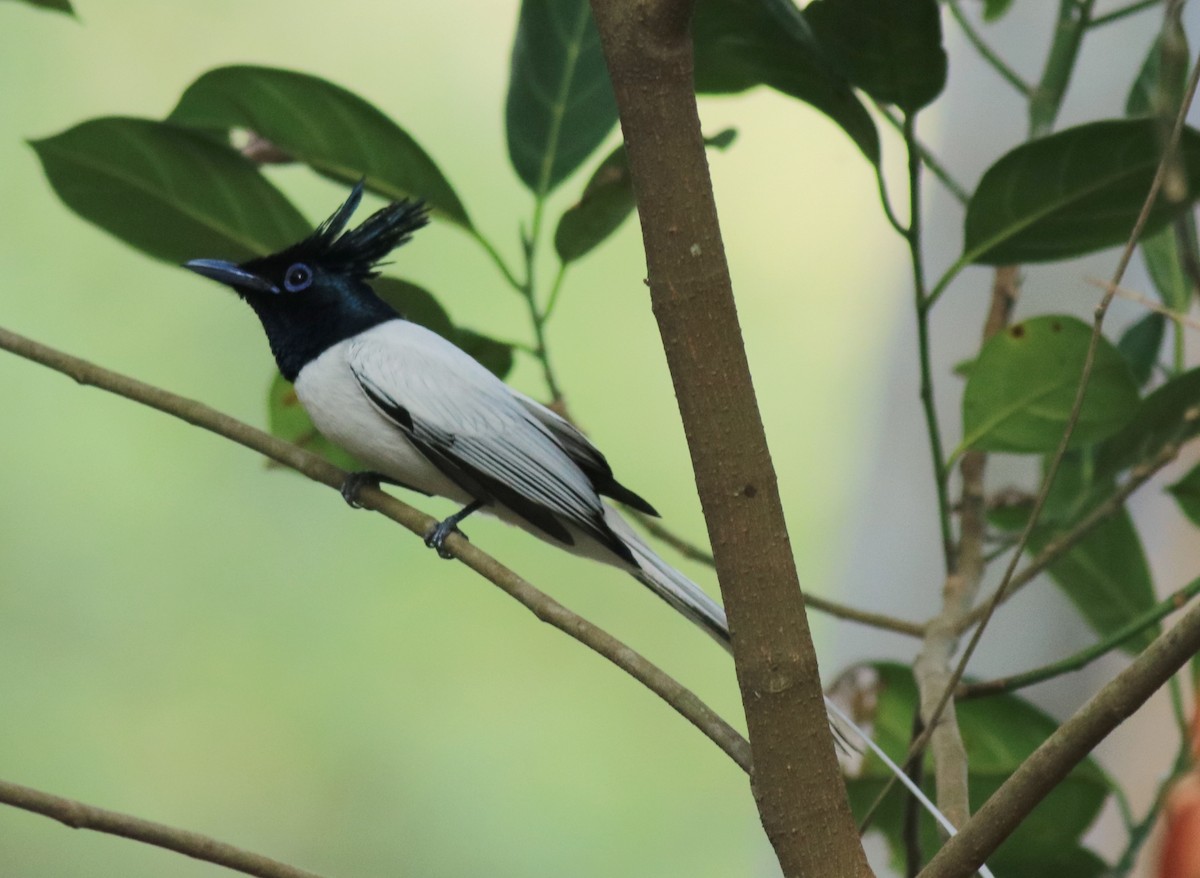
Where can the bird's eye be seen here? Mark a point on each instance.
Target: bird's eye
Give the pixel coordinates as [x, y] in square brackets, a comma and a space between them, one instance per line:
[298, 277]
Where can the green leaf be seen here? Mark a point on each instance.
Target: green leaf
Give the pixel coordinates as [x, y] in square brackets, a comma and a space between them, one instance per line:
[891, 49]
[1105, 576]
[168, 191]
[1071, 193]
[287, 419]
[1170, 414]
[995, 9]
[999, 733]
[743, 43]
[55, 5]
[1165, 258]
[1187, 494]
[1160, 84]
[1140, 344]
[606, 202]
[323, 125]
[1021, 390]
[560, 102]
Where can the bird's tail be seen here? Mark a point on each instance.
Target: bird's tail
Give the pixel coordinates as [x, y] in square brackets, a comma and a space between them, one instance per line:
[681, 593]
[694, 603]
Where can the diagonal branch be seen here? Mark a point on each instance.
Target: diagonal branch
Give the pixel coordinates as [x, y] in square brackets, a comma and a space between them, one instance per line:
[796, 783]
[683, 700]
[192, 844]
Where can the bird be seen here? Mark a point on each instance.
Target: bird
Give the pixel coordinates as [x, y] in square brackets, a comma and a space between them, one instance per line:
[425, 415]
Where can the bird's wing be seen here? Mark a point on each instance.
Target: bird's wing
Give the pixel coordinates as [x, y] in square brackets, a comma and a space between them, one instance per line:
[473, 428]
[586, 455]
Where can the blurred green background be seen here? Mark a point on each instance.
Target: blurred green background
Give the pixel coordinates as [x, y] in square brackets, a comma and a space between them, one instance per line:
[193, 638]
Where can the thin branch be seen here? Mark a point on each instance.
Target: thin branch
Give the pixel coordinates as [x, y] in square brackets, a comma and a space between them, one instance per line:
[1060, 545]
[1067, 747]
[955, 188]
[1182, 320]
[1118, 14]
[685, 702]
[988, 53]
[931, 670]
[813, 602]
[1084, 657]
[191, 844]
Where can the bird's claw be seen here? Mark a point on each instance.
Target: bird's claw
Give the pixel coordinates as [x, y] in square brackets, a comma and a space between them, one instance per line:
[436, 538]
[354, 483]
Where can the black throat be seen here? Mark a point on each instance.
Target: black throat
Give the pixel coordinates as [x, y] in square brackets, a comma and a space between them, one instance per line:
[301, 329]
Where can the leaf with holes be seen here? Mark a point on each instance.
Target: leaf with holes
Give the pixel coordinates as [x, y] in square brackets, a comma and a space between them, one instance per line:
[323, 125]
[891, 49]
[1071, 193]
[168, 191]
[740, 44]
[560, 103]
[1023, 385]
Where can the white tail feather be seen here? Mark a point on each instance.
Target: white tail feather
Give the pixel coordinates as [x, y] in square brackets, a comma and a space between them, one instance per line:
[694, 603]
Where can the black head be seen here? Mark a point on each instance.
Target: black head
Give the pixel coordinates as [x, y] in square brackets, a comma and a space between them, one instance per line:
[314, 294]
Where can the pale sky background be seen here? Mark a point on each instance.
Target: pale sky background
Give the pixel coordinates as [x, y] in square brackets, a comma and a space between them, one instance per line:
[191, 638]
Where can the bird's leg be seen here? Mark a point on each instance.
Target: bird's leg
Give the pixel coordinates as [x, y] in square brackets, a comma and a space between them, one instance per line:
[355, 482]
[436, 538]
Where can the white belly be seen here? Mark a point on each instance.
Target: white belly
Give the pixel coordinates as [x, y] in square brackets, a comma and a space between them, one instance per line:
[340, 409]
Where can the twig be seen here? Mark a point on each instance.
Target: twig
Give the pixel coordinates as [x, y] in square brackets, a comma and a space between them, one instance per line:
[988, 53]
[931, 670]
[191, 844]
[1060, 545]
[1084, 657]
[685, 702]
[955, 188]
[1147, 303]
[822, 605]
[1118, 14]
[1063, 750]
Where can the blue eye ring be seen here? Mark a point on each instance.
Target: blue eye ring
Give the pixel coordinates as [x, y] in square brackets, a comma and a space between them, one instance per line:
[298, 277]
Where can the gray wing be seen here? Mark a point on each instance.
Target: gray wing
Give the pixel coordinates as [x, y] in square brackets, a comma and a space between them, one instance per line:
[477, 432]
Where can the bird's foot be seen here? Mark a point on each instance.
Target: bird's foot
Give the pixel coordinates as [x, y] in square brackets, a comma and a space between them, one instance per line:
[436, 538]
[354, 483]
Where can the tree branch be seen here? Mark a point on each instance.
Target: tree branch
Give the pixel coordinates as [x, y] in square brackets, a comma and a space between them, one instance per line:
[796, 782]
[683, 700]
[1062, 751]
[192, 844]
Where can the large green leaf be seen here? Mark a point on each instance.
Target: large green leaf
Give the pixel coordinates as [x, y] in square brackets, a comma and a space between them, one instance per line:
[606, 202]
[1072, 192]
[999, 733]
[743, 43]
[323, 125]
[891, 49]
[169, 191]
[560, 102]
[1169, 414]
[1022, 387]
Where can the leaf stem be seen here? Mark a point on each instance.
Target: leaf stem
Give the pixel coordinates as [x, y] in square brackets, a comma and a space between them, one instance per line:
[1084, 657]
[957, 189]
[988, 53]
[496, 258]
[1118, 14]
[932, 427]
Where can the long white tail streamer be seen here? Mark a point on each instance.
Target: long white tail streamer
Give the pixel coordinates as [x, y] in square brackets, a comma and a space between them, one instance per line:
[900, 776]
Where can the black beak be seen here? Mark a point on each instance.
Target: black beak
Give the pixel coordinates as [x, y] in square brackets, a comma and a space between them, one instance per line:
[231, 275]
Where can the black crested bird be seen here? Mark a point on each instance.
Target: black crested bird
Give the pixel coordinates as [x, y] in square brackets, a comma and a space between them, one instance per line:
[423, 414]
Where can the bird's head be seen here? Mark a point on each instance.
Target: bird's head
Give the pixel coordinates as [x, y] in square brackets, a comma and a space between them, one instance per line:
[314, 293]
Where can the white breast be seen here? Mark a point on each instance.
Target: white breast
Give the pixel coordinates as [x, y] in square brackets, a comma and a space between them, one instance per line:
[340, 409]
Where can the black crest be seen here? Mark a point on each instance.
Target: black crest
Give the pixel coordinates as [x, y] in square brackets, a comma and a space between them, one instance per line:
[359, 250]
